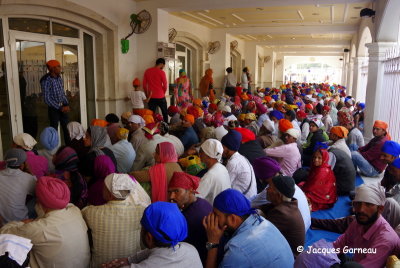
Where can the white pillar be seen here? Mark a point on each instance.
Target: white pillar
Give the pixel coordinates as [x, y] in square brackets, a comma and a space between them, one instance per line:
[375, 97]
[350, 72]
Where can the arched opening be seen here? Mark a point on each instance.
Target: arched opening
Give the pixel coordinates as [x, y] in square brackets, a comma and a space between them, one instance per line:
[236, 63]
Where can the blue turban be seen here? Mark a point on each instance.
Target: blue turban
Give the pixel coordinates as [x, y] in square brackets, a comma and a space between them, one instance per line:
[275, 97]
[303, 94]
[320, 146]
[392, 148]
[165, 222]
[232, 201]
[232, 140]
[396, 163]
[49, 138]
[278, 115]
[362, 105]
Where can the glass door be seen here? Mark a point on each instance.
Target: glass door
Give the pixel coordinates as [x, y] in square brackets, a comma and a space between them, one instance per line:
[32, 51]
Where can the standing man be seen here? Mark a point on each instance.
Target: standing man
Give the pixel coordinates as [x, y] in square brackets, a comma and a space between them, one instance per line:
[230, 83]
[155, 82]
[54, 96]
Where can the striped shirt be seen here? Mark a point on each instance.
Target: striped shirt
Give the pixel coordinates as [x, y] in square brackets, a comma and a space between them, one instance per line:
[115, 228]
[53, 91]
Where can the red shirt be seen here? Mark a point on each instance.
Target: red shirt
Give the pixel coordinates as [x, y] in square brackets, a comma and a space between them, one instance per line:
[155, 81]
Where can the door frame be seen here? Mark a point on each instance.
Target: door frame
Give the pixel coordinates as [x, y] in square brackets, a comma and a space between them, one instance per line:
[49, 41]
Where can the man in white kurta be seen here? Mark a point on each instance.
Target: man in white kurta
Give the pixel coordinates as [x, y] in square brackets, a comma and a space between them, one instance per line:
[59, 234]
[240, 170]
[216, 179]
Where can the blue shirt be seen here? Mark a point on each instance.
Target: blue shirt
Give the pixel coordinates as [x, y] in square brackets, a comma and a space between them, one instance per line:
[189, 138]
[53, 91]
[257, 244]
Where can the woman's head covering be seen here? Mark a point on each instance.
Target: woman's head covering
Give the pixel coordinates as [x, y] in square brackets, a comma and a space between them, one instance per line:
[265, 167]
[184, 181]
[284, 125]
[392, 148]
[102, 167]
[218, 119]
[247, 134]
[232, 201]
[15, 157]
[99, 123]
[52, 193]
[340, 131]
[49, 138]
[66, 159]
[167, 152]
[212, 148]
[99, 137]
[25, 141]
[372, 193]
[122, 133]
[325, 158]
[232, 140]
[75, 130]
[119, 185]
[165, 222]
[345, 116]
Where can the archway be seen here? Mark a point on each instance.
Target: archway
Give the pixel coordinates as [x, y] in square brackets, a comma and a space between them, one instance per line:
[362, 65]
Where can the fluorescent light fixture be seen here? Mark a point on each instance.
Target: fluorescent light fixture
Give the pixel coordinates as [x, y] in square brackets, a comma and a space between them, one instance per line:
[250, 36]
[208, 17]
[197, 18]
[239, 18]
[206, 10]
[234, 24]
[67, 52]
[269, 36]
[301, 15]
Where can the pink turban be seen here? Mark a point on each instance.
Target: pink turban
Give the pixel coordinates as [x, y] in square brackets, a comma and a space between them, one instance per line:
[52, 193]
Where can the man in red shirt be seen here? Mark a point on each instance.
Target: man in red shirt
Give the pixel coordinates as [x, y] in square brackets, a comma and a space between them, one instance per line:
[155, 85]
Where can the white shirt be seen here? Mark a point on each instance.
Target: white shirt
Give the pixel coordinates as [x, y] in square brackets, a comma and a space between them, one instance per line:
[245, 81]
[137, 97]
[242, 175]
[59, 238]
[220, 132]
[182, 255]
[261, 199]
[328, 123]
[213, 182]
[305, 130]
[341, 145]
[229, 81]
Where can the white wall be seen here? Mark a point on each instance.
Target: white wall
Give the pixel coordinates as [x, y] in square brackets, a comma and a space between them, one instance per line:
[182, 25]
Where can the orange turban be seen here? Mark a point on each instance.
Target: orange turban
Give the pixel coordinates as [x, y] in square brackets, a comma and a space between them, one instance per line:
[136, 82]
[284, 125]
[340, 131]
[189, 118]
[53, 63]
[382, 125]
[99, 122]
[197, 102]
[148, 119]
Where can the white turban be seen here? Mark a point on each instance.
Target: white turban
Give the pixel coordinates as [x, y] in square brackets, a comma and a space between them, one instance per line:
[137, 120]
[372, 193]
[213, 148]
[295, 133]
[269, 125]
[120, 185]
[75, 130]
[24, 140]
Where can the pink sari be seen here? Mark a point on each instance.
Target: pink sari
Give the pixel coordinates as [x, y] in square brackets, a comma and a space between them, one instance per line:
[158, 174]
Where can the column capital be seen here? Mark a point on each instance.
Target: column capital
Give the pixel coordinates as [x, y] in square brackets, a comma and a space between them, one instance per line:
[378, 49]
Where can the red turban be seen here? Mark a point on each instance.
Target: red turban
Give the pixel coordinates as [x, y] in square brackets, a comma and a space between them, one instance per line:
[247, 134]
[52, 193]
[184, 181]
[173, 109]
[136, 82]
[326, 108]
[301, 114]
[213, 106]
[284, 125]
[309, 106]
[53, 63]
